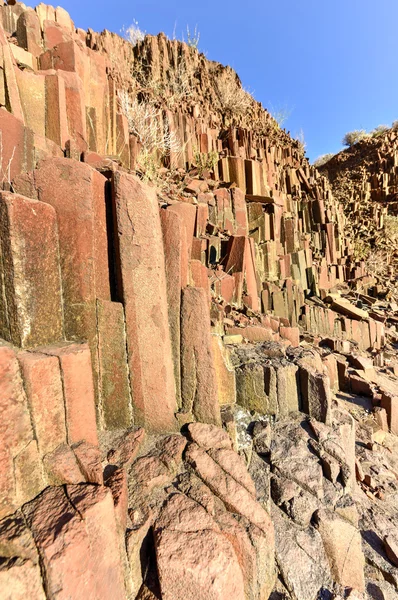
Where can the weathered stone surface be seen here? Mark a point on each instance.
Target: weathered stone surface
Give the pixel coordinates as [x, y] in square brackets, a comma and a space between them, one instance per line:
[391, 546]
[143, 283]
[138, 546]
[16, 438]
[43, 385]
[62, 542]
[79, 202]
[29, 260]
[176, 265]
[216, 575]
[171, 449]
[127, 448]
[199, 384]
[28, 32]
[225, 373]
[234, 465]
[89, 461]
[342, 544]
[315, 393]
[114, 385]
[16, 539]
[61, 466]
[77, 377]
[235, 497]
[149, 472]
[180, 513]
[301, 558]
[209, 436]
[21, 579]
[250, 388]
[117, 483]
[95, 506]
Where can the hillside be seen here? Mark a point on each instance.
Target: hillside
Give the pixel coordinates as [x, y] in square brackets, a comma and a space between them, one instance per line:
[198, 368]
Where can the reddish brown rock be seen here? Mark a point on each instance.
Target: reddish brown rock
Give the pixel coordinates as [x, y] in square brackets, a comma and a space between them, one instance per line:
[114, 385]
[187, 212]
[63, 544]
[79, 202]
[225, 373]
[233, 464]
[29, 257]
[16, 539]
[138, 546]
[95, 506]
[29, 33]
[180, 513]
[240, 261]
[148, 472]
[390, 403]
[235, 497]
[145, 301]
[171, 449]
[176, 264]
[342, 542]
[127, 448]
[315, 393]
[77, 377]
[89, 460]
[21, 579]
[61, 466]
[197, 565]
[56, 120]
[199, 384]
[209, 436]
[43, 385]
[17, 140]
[117, 483]
[16, 438]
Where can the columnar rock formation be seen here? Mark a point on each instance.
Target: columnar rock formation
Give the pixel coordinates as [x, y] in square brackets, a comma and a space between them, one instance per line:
[177, 361]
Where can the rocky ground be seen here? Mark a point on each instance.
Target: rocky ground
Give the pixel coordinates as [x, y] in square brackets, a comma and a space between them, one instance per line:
[206, 509]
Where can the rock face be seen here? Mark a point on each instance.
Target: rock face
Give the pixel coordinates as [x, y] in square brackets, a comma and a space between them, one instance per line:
[198, 380]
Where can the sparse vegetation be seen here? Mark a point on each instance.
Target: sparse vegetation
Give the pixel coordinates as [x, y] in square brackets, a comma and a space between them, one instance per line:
[172, 93]
[322, 160]
[280, 115]
[353, 137]
[205, 161]
[133, 34]
[301, 141]
[233, 97]
[379, 130]
[193, 38]
[146, 123]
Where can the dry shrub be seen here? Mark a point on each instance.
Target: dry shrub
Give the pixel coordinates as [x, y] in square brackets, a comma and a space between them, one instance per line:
[205, 161]
[133, 34]
[353, 137]
[233, 97]
[170, 93]
[146, 123]
[322, 160]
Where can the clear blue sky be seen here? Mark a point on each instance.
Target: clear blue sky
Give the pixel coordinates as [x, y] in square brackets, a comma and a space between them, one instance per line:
[332, 63]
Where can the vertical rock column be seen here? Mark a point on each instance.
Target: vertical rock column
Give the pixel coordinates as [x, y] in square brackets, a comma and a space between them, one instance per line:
[30, 298]
[77, 193]
[143, 288]
[198, 374]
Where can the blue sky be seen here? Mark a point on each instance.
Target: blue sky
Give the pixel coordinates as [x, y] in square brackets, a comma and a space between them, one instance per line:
[331, 64]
